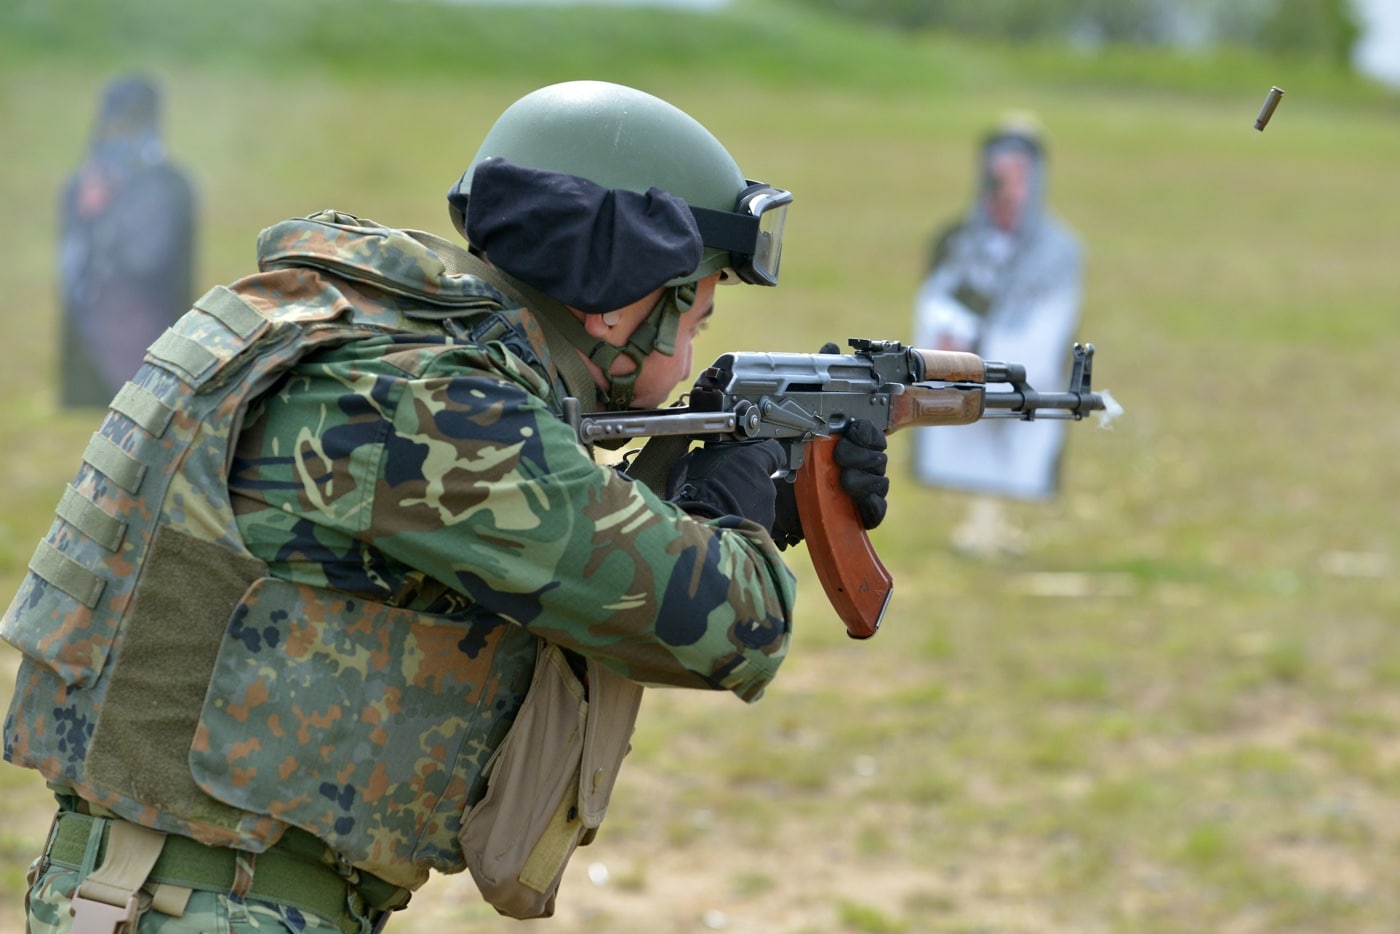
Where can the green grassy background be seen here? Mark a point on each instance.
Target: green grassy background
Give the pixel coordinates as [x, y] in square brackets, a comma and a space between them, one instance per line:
[1177, 712]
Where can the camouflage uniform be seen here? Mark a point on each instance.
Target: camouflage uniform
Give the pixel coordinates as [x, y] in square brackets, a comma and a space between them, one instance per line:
[330, 624]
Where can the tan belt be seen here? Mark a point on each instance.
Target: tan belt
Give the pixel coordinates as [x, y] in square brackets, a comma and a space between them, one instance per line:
[109, 898]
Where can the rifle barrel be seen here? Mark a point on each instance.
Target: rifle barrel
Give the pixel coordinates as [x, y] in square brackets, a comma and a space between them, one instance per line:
[1075, 404]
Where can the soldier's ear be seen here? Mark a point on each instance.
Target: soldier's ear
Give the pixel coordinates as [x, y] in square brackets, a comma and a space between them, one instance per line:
[596, 325]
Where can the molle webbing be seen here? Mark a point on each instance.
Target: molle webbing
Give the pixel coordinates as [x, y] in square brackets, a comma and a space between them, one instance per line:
[188, 355]
[145, 410]
[114, 463]
[91, 519]
[62, 572]
[152, 416]
[122, 464]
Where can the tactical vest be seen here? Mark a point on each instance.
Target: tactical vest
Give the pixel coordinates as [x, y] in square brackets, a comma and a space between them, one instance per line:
[142, 608]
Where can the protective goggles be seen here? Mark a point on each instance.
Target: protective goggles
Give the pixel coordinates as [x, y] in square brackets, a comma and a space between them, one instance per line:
[752, 233]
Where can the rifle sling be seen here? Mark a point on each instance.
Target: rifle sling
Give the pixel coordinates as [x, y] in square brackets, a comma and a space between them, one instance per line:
[552, 313]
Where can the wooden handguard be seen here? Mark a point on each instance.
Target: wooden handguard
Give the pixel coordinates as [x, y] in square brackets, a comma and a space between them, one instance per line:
[955, 365]
[853, 576]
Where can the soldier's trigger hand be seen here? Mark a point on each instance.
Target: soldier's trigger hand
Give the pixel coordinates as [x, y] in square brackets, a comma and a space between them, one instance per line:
[861, 456]
[729, 479]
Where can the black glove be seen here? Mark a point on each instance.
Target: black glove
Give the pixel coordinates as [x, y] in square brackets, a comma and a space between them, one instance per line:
[861, 456]
[860, 453]
[733, 478]
[787, 525]
[727, 479]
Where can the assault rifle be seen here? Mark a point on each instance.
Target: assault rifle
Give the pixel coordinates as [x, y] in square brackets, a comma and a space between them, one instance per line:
[805, 402]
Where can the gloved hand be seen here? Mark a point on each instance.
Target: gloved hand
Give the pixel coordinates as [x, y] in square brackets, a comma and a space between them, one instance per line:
[787, 524]
[725, 479]
[733, 478]
[861, 456]
[860, 453]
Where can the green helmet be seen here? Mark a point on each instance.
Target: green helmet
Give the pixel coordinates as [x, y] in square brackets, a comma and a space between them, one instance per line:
[617, 137]
[622, 139]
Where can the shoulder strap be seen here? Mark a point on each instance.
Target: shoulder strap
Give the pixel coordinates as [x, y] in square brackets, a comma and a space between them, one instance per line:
[553, 314]
[652, 464]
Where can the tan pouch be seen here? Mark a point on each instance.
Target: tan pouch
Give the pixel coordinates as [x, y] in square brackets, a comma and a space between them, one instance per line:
[548, 783]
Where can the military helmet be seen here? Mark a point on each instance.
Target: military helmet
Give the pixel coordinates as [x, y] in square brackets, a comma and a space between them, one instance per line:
[622, 138]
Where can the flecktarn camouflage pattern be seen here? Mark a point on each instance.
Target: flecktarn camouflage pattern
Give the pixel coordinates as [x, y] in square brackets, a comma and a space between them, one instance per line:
[331, 624]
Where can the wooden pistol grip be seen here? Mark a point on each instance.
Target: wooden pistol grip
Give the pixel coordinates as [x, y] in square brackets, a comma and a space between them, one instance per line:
[853, 576]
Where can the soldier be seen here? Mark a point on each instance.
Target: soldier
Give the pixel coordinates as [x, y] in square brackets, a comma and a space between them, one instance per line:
[126, 246]
[337, 597]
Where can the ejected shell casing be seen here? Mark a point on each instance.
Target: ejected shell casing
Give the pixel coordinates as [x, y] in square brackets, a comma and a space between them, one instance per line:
[1270, 105]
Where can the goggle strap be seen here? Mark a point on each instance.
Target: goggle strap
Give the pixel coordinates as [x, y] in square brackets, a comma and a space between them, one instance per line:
[726, 230]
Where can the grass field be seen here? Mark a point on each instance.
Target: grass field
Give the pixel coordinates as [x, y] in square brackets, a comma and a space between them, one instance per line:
[1177, 712]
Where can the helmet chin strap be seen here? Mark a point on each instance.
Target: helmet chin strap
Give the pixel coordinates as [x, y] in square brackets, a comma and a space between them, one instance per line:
[656, 333]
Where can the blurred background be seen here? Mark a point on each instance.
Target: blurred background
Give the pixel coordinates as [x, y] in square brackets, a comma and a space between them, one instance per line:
[1177, 709]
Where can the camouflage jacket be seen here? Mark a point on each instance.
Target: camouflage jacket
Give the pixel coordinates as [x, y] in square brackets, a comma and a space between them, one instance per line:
[302, 572]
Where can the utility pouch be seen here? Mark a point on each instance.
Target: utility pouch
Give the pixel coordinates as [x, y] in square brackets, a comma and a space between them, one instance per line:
[549, 783]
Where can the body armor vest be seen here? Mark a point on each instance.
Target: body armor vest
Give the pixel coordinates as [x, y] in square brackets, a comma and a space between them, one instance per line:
[142, 606]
